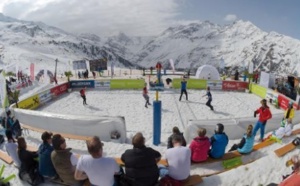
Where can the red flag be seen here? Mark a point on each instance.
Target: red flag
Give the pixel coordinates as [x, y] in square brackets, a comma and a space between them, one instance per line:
[32, 72]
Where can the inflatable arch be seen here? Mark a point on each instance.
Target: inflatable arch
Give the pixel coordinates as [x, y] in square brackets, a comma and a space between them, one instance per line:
[41, 72]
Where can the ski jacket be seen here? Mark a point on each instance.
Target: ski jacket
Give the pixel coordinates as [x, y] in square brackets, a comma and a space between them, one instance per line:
[291, 113]
[145, 91]
[82, 92]
[199, 148]
[264, 114]
[218, 145]
[140, 165]
[46, 167]
[183, 85]
[248, 146]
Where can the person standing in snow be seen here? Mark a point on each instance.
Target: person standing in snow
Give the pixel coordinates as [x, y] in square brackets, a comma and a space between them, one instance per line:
[145, 95]
[82, 94]
[183, 89]
[264, 115]
[209, 97]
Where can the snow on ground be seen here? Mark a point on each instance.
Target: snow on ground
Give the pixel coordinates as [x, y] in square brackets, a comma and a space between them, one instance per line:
[268, 168]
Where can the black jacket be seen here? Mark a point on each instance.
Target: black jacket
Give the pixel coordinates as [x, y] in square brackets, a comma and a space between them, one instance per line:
[140, 165]
[28, 164]
[170, 144]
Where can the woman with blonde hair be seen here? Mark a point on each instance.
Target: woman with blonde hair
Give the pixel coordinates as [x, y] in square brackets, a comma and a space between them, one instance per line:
[246, 144]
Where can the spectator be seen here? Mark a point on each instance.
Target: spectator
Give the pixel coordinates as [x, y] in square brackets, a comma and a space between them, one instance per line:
[218, 142]
[264, 115]
[94, 74]
[141, 162]
[200, 146]
[236, 75]
[285, 129]
[175, 132]
[28, 163]
[179, 159]
[46, 167]
[294, 177]
[11, 148]
[100, 170]
[246, 144]
[290, 112]
[64, 161]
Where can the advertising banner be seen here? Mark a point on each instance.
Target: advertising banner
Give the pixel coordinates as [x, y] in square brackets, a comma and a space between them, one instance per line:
[191, 83]
[127, 83]
[79, 65]
[258, 90]
[60, 89]
[271, 96]
[215, 85]
[30, 103]
[83, 83]
[264, 79]
[102, 85]
[45, 96]
[283, 102]
[32, 71]
[2, 90]
[98, 64]
[234, 85]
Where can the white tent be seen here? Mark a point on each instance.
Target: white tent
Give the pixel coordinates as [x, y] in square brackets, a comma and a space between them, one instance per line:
[207, 72]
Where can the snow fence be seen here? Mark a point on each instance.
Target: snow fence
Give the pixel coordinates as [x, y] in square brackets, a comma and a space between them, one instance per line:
[101, 126]
[235, 128]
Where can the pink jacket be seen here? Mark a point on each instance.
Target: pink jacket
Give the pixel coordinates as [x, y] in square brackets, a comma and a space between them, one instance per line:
[199, 148]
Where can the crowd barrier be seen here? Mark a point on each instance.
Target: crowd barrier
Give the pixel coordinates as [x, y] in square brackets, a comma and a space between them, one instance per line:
[102, 126]
[76, 125]
[234, 128]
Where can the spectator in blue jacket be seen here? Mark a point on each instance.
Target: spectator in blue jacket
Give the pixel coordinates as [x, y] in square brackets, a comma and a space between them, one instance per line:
[183, 89]
[46, 167]
[218, 142]
[246, 144]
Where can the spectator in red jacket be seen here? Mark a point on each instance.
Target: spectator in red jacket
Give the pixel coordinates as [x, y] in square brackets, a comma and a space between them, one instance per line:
[264, 115]
[200, 146]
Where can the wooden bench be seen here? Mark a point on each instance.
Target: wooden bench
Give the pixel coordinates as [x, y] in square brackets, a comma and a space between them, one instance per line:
[69, 136]
[5, 157]
[227, 156]
[193, 180]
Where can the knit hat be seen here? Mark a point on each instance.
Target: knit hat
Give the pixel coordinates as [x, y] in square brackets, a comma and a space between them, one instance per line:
[57, 140]
[46, 135]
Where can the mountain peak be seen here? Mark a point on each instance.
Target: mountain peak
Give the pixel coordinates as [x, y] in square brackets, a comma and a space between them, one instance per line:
[4, 18]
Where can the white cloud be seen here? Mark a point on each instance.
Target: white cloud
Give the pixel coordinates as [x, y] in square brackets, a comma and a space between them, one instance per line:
[102, 17]
[230, 17]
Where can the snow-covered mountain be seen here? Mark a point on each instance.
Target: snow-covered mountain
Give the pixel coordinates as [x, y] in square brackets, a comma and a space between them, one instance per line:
[190, 46]
[206, 43]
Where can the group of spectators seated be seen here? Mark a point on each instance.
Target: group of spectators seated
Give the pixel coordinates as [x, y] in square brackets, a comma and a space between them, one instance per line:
[55, 161]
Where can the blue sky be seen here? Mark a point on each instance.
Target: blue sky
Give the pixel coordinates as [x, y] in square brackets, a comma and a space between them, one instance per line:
[151, 17]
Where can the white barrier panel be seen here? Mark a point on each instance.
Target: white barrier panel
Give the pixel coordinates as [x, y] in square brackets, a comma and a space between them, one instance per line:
[230, 126]
[101, 126]
[234, 128]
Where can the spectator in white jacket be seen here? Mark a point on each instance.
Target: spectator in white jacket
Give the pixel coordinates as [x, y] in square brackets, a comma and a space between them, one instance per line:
[285, 129]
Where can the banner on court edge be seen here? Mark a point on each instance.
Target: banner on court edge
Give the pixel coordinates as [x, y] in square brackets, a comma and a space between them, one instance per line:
[60, 89]
[84, 83]
[215, 85]
[234, 85]
[102, 85]
[32, 71]
[2, 90]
